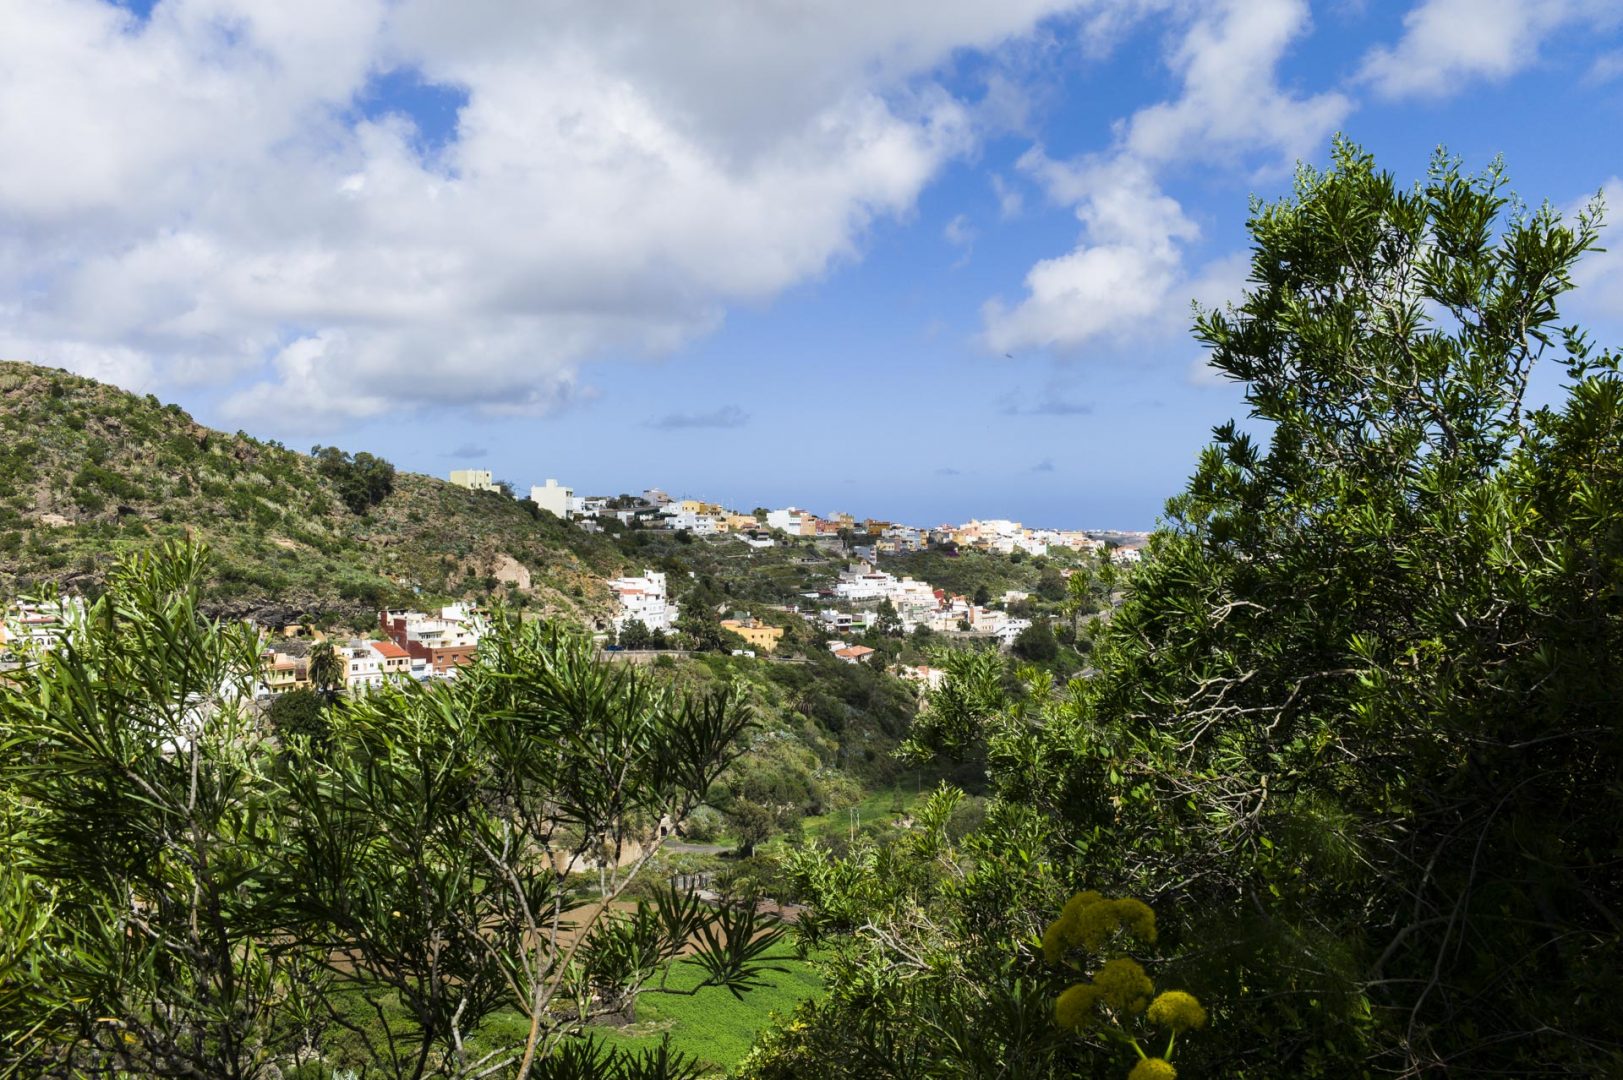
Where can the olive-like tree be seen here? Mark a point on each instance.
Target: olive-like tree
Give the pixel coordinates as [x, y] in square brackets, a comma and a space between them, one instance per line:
[1353, 728]
[440, 853]
[136, 773]
[184, 894]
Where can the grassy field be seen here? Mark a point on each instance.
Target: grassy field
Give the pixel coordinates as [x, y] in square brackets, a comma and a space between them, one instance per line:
[881, 806]
[712, 1025]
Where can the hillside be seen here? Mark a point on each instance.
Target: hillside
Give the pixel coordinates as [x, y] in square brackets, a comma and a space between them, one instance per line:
[88, 471]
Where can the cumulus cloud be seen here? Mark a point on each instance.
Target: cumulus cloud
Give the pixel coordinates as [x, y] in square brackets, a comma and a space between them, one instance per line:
[1046, 465]
[213, 194]
[1447, 44]
[1129, 271]
[728, 416]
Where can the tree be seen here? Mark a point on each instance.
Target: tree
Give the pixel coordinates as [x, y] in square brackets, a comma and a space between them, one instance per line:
[634, 634]
[751, 823]
[983, 596]
[1051, 585]
[1351, 722]
[183, 898]
[1079, 598]
[361, 481]
[1036, 643]
[299, 714]
[130, 767]
[436, 844]
[699, 622]
[889, 623]
[326, 670]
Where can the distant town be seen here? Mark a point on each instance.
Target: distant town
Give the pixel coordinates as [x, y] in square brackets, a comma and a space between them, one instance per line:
[410, 645]
[645, 600]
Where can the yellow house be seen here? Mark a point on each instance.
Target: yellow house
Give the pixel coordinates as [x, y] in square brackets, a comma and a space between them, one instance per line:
[280, 672]
[763, 638]
[473, 479]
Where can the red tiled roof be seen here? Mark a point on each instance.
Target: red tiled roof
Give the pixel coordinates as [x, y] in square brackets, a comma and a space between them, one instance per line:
[854, 651]
[390, 650]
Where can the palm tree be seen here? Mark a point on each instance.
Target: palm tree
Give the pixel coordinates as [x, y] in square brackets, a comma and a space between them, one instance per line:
[326, 670]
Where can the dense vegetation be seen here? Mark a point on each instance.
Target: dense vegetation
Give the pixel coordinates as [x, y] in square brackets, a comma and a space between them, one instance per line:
[411, 895]
[1353, 732]
[88, 471]
[750, 579]
[984, 576]
[1338, 773]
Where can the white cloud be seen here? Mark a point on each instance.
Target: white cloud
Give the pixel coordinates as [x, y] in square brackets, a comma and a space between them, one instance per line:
[191, 197]
[1010, 201]
[1607, 66]
[1232, 102]
[1446, 44]
[960, 234]
[1115, 281]
[1599, 276]
[1128, 274]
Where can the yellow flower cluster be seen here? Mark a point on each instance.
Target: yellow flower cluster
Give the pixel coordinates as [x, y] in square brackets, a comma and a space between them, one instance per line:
[1121, 984]
[1177, 1011]
[1088, 920]
[1124, 986]
[1073, 1009]
[1120, 988]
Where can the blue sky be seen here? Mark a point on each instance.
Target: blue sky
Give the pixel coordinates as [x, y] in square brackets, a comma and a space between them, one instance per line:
[930, 260]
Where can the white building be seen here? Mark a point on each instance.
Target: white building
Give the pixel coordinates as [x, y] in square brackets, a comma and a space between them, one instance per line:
[690, 522]
[912, 597]
[644, 599]
[446, 637]
[363, 667]
[558, 501]
[1009, 629]
[858, 585]
[787, 519]
[928, 678]
[842, 621]
[29, 626]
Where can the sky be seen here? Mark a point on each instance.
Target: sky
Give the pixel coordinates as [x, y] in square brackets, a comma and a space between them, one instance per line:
[924, 260]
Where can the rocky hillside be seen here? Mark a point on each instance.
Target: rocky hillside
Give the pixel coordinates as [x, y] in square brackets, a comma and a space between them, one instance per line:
[88, 471]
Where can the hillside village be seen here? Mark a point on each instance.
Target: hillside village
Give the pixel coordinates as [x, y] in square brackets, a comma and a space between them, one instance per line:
[853, 601]
[431, 644]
